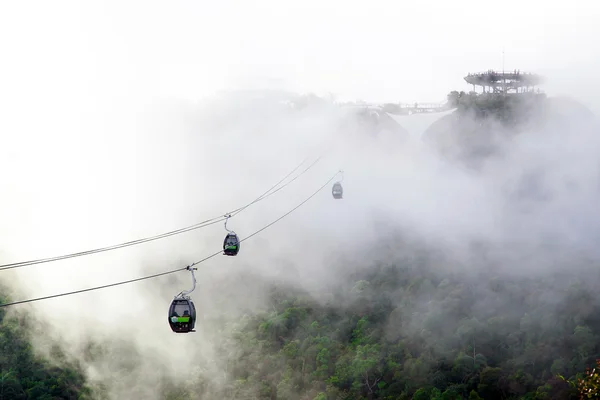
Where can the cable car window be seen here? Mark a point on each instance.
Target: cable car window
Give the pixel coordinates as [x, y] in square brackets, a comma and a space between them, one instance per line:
[181, 308]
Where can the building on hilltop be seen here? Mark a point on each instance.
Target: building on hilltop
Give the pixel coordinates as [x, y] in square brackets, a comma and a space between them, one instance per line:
[504, 82]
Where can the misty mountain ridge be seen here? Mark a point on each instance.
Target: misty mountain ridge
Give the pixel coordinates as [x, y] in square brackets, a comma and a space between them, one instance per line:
[483, 124]
[427, 281]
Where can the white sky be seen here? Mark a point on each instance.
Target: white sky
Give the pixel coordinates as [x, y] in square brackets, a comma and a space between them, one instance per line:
[372, 50]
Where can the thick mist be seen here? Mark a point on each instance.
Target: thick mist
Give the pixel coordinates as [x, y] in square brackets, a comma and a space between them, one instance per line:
[176, 164]
[101, 144]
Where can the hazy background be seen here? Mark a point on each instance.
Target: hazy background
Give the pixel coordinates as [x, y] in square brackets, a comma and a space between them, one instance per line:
[377, 51]
[107, 135]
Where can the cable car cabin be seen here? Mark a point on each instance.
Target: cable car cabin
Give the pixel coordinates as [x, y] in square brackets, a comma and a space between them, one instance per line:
[182, 315]
[231, 245]
[337, 190]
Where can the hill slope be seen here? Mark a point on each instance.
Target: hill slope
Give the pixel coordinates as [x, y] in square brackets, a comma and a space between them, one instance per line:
[483, 125]
[25, 375]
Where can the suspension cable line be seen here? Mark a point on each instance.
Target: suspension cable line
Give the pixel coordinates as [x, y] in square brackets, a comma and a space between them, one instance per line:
[175, 270]
[199, 225]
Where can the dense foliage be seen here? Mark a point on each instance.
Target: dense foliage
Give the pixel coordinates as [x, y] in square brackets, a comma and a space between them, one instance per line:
[409, 334]
[390, 333]
[23, 375]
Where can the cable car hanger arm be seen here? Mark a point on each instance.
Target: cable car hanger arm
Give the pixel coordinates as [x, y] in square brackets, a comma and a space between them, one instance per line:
[186, 292]
[227, 219]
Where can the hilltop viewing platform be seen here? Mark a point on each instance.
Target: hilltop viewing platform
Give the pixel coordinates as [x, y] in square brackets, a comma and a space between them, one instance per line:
[504, 81]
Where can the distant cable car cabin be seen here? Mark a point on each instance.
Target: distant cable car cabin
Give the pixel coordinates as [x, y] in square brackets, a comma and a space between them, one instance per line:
[182, 312]
[231, 243]
[337, 190]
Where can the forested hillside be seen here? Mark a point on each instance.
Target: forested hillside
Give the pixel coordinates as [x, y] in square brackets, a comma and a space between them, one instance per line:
[24, 375]
[405, 331]
[399, 331]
